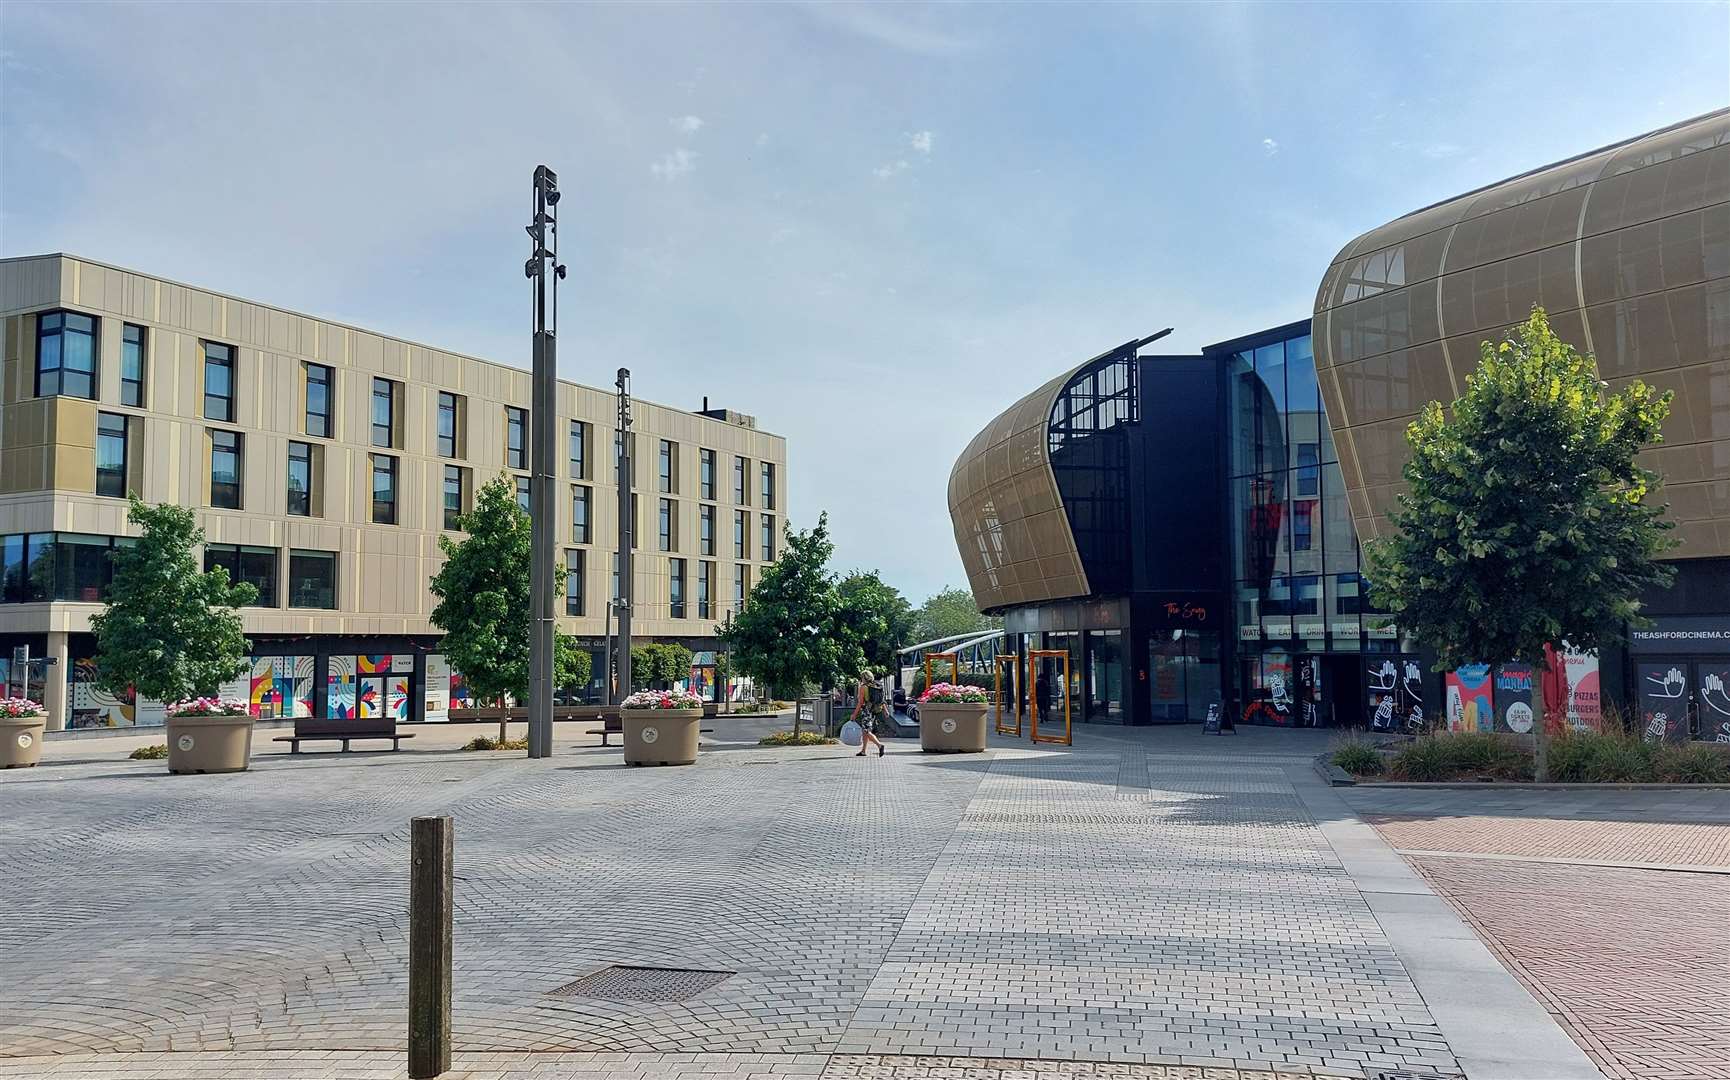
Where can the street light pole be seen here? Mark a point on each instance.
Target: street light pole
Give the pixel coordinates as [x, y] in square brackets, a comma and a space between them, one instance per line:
[627, 525]
[544, 381]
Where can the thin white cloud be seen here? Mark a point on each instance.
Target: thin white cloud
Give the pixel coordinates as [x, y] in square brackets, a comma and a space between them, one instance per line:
[920, 141]
[1269, 147]
[687, 125]
[884, 172]
[763, 139]
[675, 164]
[874, 23]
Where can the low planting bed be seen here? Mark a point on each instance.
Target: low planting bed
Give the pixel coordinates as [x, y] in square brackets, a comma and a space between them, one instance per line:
[1575, 758]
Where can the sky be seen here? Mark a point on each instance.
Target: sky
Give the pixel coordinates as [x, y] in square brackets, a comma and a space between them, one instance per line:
[873, 227]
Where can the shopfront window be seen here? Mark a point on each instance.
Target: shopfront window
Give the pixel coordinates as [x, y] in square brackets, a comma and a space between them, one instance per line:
[1105, 676]
[1182, 675]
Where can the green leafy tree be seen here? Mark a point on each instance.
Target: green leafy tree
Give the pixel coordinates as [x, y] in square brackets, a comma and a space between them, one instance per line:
[878, 617]
[1528, 521]
[792, 633]
[949, 612]
[674, 663]
[169, 631]
[642, 666]
[484, 609]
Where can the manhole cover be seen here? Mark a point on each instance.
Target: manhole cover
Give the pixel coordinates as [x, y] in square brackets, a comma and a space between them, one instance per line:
[643, 984]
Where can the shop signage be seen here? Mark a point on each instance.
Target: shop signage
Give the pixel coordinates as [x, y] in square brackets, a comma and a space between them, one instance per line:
[1682, 634]
[1278, 628]
[1310, 628]
[1344, 629]
[1249, 632]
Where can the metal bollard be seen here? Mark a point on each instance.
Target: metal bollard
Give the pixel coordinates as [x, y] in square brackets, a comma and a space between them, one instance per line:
[429, 947]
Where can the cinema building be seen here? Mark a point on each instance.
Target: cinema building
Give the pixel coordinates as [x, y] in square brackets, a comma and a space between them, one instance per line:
[324, 462]
[1186, 527]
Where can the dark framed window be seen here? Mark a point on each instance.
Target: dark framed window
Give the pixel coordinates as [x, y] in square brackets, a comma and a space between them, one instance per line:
[300, 479]
[219, 382]
[66, 355]
[516, 437]
[581, 496]
[1309, 468]
[254, 565]
[574, 581]
[741, 488]
[669, 525]
[705, 590]
[705, 530]
[383, 413]
[741, 535]
[766, 539]
[676, 588]
[111, 455]
[741, 585]
[455, 496]
[37, 567]
[579, 451]
[318, 400]
[447, 424]
[312, 579]
[226, 450]
[768, 485]
[524, 494]
[1302, 524]
[705, 474]
[668, 465]
[133, 361]
[383, 489]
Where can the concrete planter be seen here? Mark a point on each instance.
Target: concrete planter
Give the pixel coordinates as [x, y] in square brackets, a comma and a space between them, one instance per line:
[660, 736]
[952, 729]
[209, 744]
[21, 741]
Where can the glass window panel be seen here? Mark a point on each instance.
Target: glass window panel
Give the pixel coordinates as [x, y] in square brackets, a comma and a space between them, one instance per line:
[741, 537]
[706, 533]
[111, 455]
[766, 539]
[312, 579]
[383, 489]
[574, 581]
[580, 497]
[218, 382]
[300, 479]
[454, 483]
[79, 566]
[225, 470]
[705, 590]
[318, 379]
[706, 474]
[524, 493]
[132, 364]
[676, 588]
[383, 413]
[579, 450]
[447, 425]
[667, 520]
[516, 438]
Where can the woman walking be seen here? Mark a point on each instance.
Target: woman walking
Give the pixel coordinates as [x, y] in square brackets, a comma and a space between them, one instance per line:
[867, 708]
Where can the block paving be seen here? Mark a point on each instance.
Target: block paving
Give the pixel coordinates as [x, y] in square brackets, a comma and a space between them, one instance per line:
[1105, 910]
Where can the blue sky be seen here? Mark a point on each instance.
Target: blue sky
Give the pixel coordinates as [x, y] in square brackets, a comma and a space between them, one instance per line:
[872, 227]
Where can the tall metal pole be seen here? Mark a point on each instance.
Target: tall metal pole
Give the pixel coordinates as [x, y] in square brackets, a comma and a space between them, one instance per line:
[626, 525]
[544, 380]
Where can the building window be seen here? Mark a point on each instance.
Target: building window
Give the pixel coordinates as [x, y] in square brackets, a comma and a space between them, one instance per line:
[676, 588]
[766, 539]
[581, 495]
[524, 496]
[219, 382]
[256, 566]
[132, 364]
[1308, 470]
[574, 582]
[383, 489]
[111, 455]
[669, 522]
[741, 491]
[38, 567]
[447, 429]
[705, 530]
[668, 466]
[383, 413]
[300, 479]
[741, 585]
[225, 469]
[516, 437]
[312, 579]
[768, 485]
[1302, 524]
[706, 474]
[455, 496]
[705, 590]
[741, 538]
[579, 450]
[318, 380]
[66, 355]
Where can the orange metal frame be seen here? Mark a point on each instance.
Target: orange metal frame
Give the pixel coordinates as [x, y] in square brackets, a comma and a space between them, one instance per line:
[1013, 663]
[1033, 658]
[954, 666]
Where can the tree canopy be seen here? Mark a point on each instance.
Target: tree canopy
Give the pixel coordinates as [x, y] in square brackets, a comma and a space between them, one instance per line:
[949, 612]
[169, 631]
[877, 616]
[792, 632]
[484, 600]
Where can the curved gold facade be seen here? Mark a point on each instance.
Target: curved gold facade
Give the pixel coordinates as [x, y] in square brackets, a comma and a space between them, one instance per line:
[1010, 526]
[1627, 247]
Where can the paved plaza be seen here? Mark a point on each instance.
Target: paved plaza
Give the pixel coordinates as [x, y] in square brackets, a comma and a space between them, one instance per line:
[1148, 904]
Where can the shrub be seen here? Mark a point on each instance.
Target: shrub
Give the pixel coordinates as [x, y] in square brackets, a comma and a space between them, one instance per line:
[481, 742]
[1426, 758]
[800, 738]
[150, 753]
[1609, 757]
[1358, 757]
[1693, 763]
[1483, 753]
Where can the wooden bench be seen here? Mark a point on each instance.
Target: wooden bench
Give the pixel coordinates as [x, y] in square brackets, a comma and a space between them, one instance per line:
[616, 726]
[294, 741]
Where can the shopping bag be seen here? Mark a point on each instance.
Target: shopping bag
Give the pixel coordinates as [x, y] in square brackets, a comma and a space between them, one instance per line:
[851, 733]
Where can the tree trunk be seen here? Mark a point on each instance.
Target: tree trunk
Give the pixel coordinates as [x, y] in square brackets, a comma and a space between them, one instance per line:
[1540, 725]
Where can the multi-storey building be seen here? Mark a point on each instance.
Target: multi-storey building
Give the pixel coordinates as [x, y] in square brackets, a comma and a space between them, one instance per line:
[325, 461]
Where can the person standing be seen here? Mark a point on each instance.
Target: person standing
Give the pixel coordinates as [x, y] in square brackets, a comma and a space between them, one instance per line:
[868, 712]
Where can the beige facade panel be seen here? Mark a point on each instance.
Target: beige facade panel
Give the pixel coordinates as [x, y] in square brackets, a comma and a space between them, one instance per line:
[1627, 248]
[47, 454]
[1010, 526]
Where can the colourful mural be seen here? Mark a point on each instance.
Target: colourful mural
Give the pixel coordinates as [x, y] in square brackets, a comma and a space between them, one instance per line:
[438, 688]
[376, 664]
[396, 697]
[340, 688]
[367, 703]
[1467, 692]
[281, 686]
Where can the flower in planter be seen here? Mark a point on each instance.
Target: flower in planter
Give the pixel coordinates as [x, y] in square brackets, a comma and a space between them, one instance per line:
[950, 694]
[17, 708]
[209, 706]
[663, 699]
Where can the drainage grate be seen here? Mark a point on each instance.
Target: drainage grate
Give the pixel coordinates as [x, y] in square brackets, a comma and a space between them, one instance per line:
[643, 984]
[1402, 1074]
